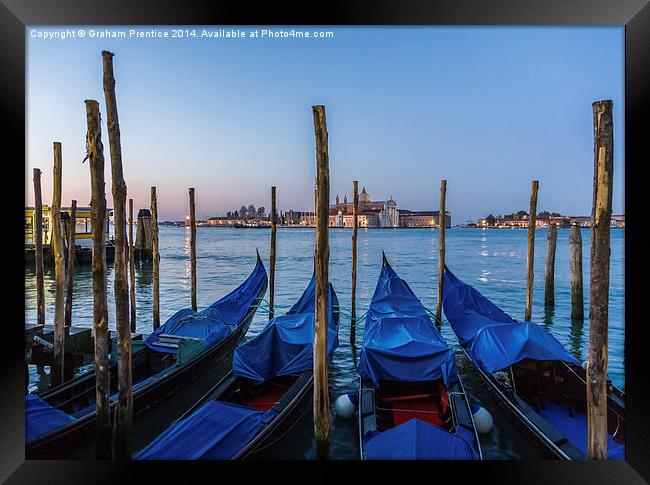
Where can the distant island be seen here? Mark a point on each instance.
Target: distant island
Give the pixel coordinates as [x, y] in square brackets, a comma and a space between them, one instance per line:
[544, 219]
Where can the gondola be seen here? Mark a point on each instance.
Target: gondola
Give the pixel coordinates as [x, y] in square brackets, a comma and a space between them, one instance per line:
[62, 420]
[260, 401]
[529, 371]
[412, 404]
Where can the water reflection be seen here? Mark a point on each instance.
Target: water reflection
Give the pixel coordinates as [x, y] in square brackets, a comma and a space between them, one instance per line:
[577, 331]
[549, 312]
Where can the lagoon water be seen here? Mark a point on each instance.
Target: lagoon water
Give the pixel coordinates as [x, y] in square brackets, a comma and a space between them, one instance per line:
[492, 260]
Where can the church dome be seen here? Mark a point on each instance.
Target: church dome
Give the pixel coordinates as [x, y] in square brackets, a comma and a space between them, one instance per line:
[365, 197]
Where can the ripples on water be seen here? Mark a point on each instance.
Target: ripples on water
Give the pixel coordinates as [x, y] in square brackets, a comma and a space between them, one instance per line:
[494, 261]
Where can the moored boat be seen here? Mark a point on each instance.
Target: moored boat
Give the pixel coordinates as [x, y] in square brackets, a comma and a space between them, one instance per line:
[62, 420]
[412, 404]
[529, 371]
[261, 400]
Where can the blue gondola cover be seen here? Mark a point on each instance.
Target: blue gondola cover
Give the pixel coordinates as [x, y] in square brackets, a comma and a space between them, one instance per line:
[216, 322]
[216, 431]
[417, 440]
[41, 418]
[400, 341]
[493, 339]
[285, 345]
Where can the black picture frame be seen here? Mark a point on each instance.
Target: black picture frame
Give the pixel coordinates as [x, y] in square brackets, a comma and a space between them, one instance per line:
[15, 15]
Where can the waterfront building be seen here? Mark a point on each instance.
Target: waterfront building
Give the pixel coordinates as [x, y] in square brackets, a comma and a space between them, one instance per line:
[83, 227]
[381, 213]
[409, 218]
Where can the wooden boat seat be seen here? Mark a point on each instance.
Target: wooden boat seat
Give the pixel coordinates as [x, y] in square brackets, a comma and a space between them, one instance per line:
[405, 408]
[268, 397]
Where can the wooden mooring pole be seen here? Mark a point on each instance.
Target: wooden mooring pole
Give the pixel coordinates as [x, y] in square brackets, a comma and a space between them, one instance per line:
[193, 247]
[441, 247]
[272, 255]
[355, 227]
[95, 155]
[131, 269]
[57, 370]
[601, 215]
[38, 248]
[155, 254]
[124, 408]
[575, 267]
[549, 274]
[322, 419]
[530, 259]
[71, 256]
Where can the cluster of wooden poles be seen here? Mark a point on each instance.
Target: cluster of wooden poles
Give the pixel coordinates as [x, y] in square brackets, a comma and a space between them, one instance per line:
[117, 442]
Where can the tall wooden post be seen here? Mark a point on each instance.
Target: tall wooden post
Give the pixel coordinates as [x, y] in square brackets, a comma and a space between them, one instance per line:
[193, 247]
[57, 374]
[441, 247]
[155, 254]
[530, 259]
[549, 276]
[272, 255]
[575, 266]
[95, 155]
[71, 257]
[601, 215]
[124, 410]
[131, 268]
[38, 248]
[355, 227]
[322, 419]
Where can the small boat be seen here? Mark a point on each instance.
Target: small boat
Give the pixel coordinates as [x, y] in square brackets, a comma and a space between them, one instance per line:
[412, 404]
[261, 400]
[62, 420]
[529, 371]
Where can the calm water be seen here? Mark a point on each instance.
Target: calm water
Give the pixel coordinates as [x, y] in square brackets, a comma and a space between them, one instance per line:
[494, 261]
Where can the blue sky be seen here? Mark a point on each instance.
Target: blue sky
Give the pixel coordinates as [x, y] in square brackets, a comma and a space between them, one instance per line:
[487, 108]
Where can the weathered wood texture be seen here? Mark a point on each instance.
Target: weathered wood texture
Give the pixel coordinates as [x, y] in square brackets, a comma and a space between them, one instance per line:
[143, 247]
[132, 269]
[575, 267]
[355, 227]
[95, 155]
[549, 274]
[601, 215]
[124, 408]
[38, 243]
[71, 257]
[193, 247]
[530, 258]
[156, 258]
[441, 247]
[322, 418]
[272, 255]
[59, 273]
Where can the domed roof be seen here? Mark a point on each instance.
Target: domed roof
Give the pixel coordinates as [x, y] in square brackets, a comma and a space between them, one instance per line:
[365, 196]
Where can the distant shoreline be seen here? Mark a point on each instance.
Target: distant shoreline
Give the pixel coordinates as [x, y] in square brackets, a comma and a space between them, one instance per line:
[373, 228]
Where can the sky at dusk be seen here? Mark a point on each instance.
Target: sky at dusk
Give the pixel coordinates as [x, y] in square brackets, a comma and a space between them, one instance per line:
[489, 109]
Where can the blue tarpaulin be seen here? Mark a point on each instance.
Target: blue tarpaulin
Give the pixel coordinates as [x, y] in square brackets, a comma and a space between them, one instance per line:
[41, 418]
[217, 321]
[285, 345]
[501, 345]
[216, 431]
[417, 440]
[492, 338]
[400, 341]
